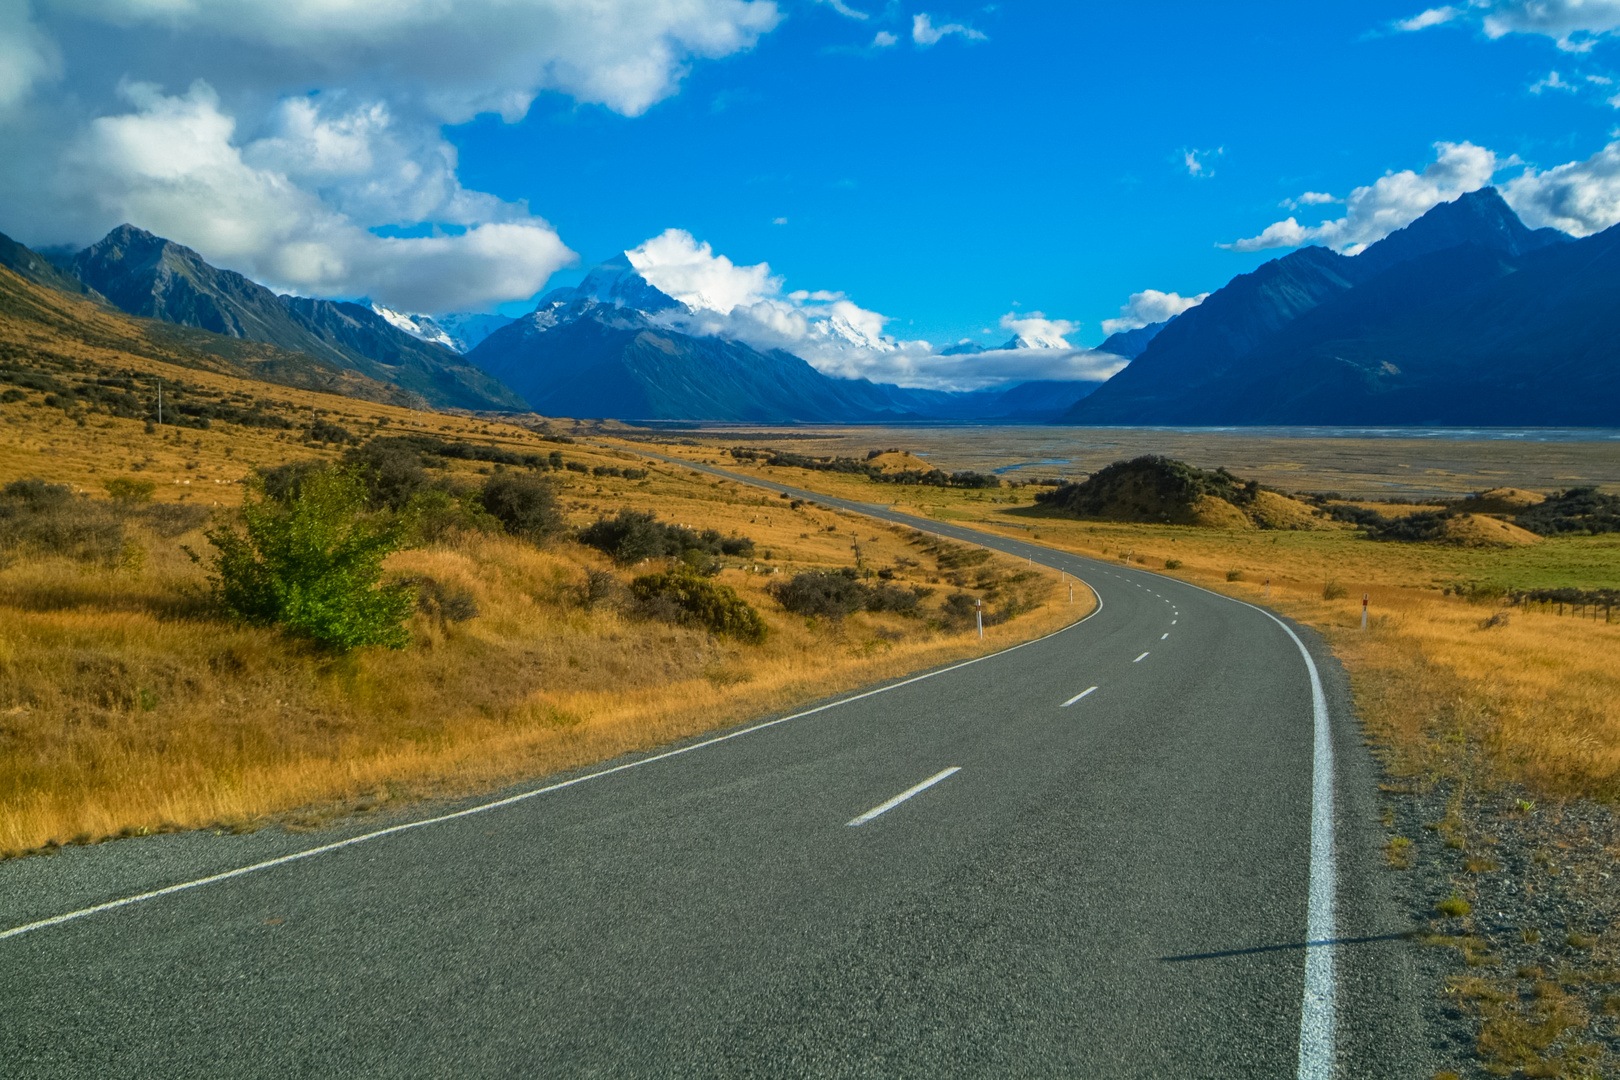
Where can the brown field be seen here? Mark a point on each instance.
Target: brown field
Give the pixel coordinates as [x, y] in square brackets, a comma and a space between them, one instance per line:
[127, 705]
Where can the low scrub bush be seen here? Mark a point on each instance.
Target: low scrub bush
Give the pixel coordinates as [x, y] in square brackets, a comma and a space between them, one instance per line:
[525, 504]
[682, 596]
[49, 519]
[311, 564]
[1332, 590]
[1172, 564]
[633, 535]
[833, 594]
[1234, 575]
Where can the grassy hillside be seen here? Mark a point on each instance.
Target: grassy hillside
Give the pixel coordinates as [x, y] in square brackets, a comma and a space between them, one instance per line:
[43, 328]
[129, 703]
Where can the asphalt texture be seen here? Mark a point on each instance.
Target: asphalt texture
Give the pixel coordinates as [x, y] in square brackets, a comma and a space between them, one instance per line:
[1114, 888]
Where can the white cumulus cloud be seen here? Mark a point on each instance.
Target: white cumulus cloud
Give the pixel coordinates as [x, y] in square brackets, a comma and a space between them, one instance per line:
[925, 33]
[1197, 162]
[838, 336]
[1150, 306]
[1551, 81]
[1425, 19]
[1574, 25]
[883, 39]
[312, 126]
[1392, 202]
[1579, 197]
[1310, 198]
[172, 166]
[27, 54]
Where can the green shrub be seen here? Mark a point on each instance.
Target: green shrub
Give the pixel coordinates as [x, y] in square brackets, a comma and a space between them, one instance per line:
[125, 489]
[633, 535]
[835, 593]
[524, 503]
[1172, 564]
[311, 563]
[393, 472]
[824, 593]
[685, 597]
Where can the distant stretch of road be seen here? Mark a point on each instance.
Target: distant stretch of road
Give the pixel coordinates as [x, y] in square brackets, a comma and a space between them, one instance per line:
[1144, 846]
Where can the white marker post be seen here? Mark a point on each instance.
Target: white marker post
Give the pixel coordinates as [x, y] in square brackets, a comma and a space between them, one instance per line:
[1071, 592]
[1268, 588]
[978, 609]
[1364, 597]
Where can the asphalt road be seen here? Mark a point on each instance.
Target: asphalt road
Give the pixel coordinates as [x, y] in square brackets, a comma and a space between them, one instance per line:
[1119, 886]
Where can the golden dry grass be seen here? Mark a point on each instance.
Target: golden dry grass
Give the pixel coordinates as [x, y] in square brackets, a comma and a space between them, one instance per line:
[127, 705]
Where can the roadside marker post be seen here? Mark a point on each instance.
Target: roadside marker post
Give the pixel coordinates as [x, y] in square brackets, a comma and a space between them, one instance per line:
[978, 610]
[1071, 592]
[1268, 588]
[1364, 597]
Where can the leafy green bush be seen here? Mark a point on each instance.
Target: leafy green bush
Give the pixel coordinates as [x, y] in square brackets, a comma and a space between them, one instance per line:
[125, 489]
[685, 597]
[524, 503]
[310, 563]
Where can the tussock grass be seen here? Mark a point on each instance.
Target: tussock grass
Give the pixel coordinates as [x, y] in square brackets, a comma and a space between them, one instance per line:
[127, 705]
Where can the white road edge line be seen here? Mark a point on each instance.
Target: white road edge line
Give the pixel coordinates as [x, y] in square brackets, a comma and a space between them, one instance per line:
[57, 920]
[884, 808]
[1076, 697]
[1139, 659]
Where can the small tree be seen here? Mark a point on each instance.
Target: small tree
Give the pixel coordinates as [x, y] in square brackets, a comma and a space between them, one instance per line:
[311, 563]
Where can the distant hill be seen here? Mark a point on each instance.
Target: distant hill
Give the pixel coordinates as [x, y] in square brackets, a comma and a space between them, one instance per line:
[1465, 317]
[154, 278]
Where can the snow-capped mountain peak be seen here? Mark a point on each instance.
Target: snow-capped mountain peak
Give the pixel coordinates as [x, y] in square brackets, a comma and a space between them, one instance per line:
[418, 326]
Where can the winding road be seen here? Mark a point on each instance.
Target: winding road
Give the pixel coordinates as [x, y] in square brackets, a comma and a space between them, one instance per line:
[1144, 846]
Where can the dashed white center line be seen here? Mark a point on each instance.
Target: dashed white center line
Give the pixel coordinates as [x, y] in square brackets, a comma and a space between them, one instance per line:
[1172, 622]
[884, 808]
[1164, 635]
[1077, 697]
[1139, 659]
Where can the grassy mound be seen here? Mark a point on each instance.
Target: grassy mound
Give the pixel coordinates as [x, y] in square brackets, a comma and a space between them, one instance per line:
[1503, 500]
[1162, 490]
[1478, 530]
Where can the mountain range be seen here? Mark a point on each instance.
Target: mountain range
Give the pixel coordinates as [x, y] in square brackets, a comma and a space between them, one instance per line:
[1465, 317]
[612, 347]
[150, 277]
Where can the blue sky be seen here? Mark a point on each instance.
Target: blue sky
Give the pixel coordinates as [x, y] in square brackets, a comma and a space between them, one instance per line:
[1040, 157]
[1044, 166]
